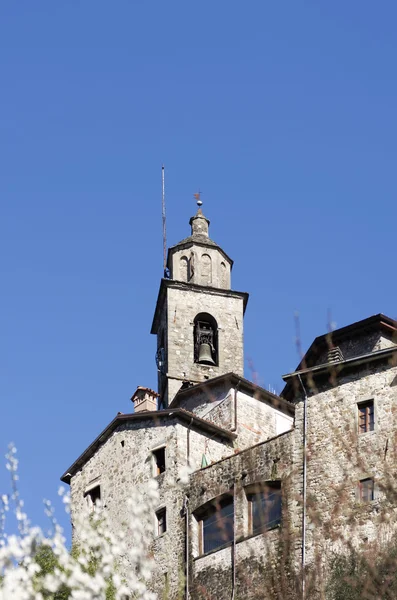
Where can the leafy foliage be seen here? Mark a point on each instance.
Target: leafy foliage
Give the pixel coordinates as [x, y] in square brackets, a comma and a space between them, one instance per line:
[35, 566]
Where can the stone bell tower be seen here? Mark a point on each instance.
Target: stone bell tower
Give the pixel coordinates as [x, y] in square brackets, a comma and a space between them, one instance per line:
[198, 318]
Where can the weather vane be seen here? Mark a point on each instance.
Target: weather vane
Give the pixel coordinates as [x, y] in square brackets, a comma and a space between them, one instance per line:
[197, 197]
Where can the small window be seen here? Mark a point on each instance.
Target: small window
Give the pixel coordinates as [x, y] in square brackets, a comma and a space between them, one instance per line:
[264, 505]
[93, 497]
[159, 461]
[216, 525]
[161, 521]
[366, 490]
[366, 417]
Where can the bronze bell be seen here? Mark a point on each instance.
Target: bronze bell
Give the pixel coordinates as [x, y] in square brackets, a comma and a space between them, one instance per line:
[205, 355]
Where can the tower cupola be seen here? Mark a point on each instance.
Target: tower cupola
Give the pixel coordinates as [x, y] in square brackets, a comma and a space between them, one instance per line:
[198, 319]
[199, 224]
[198, 259]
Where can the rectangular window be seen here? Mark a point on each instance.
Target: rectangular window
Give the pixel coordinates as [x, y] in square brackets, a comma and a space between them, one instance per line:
[264, 507]
[366, 418]
[217, 525]
[366, 490]
[159, 461]
[93, 496]
[161, 517]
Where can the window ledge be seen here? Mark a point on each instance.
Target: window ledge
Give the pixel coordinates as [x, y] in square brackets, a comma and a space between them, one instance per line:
[369, 505]
[213, 551]
[262, 532]
[238, 540]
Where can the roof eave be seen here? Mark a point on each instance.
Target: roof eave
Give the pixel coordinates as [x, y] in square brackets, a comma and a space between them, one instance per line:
[276, 401]
[321, 342]
[177, 413]
[335, 368]
[190, 243]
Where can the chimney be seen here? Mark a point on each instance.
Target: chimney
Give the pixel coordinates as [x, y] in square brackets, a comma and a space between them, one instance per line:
[144, 399]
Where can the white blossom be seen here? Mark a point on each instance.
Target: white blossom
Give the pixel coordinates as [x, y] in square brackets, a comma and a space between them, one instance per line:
[21, 576]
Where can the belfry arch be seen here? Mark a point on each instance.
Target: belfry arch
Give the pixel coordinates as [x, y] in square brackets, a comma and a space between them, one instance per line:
[205, 339]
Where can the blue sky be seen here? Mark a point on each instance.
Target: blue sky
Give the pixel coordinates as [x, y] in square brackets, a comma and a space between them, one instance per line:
[282, 113]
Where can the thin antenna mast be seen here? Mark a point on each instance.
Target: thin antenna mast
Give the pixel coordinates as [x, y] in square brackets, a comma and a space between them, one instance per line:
[164, 224]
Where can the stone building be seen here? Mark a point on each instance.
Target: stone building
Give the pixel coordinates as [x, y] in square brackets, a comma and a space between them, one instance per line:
[276, 481]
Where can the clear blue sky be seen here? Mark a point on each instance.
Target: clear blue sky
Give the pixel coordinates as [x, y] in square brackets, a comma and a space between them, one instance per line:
[283, 113]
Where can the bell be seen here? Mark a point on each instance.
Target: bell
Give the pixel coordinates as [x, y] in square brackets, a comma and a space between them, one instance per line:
[205, 355]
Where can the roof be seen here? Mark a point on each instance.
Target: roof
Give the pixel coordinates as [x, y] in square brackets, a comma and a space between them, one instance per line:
[243, 385]
[199, 240]
[332, 370]
[157, 416]
[334, 338]
[181, 285]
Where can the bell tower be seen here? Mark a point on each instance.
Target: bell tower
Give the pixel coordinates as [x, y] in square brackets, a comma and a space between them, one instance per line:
[198, 319]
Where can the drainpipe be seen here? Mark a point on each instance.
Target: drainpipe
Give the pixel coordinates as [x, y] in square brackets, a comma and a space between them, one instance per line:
[234, 428]
[304, 487]
[234, 544]
[186, 510]
[188, 443]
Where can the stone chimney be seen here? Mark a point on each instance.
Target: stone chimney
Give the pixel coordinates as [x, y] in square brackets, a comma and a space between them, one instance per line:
[144, 399]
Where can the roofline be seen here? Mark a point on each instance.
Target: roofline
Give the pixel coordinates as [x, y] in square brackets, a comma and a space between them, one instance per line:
[182, 245]
[276, 401]
[338, 335]
[337, 367]
[166, 283]
[176, 413]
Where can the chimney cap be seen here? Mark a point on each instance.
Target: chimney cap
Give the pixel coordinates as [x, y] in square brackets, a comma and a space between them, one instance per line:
[140, 390]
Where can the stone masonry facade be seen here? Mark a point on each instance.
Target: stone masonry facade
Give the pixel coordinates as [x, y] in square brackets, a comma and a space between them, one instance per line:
[277, 484]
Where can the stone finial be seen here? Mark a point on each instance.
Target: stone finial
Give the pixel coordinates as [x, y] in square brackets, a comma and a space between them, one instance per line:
[199, 224]
[144, 399]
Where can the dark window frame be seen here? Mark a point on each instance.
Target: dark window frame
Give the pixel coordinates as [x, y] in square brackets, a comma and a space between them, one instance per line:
[366, 416]
[366, 489]
[216, 524]
[264, 506]
[94, 493]
[161, 520]
[159, 460]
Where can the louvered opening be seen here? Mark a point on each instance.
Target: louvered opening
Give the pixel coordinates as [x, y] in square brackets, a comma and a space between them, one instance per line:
[334, 355]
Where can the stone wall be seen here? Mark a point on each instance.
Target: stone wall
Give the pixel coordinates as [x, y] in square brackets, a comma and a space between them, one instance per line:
[359, 345]
[339, 456]
[245, 563]
[183, 305]
[204, 400]
[257, 420]
[187, 265]
[125, 461]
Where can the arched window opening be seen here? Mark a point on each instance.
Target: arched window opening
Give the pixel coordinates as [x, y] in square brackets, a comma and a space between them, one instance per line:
[205, 340]
[223, 276]
[183, 268]
[215, 524]
[206, 270]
